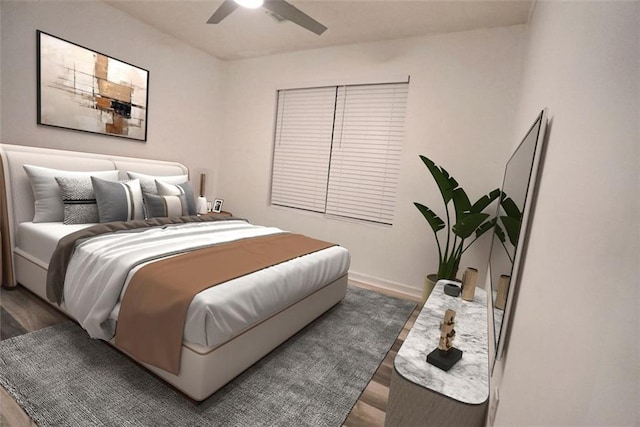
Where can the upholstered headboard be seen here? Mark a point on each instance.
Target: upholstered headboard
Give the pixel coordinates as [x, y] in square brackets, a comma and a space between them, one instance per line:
[16, 195]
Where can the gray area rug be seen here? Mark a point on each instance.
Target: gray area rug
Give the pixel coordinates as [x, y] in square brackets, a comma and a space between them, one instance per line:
[62, 378]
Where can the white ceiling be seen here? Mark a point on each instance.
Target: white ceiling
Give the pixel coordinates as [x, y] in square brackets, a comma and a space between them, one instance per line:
[249, 33]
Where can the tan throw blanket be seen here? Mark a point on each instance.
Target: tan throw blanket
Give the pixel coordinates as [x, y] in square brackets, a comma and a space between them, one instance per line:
[154, 307]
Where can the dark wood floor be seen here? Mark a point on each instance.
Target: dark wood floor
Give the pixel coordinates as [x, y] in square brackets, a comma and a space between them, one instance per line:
[22, 312]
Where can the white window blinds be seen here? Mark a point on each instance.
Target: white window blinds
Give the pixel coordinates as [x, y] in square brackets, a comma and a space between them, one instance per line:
[367, 145]
[337, 150]
[304, 125]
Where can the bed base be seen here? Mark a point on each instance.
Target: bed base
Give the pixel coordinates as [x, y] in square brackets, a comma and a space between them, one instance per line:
[204, 371]
[202, 374]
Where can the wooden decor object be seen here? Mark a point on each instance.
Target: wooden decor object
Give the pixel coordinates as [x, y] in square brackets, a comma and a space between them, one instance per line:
[447, 331]
[503, 290]
[6, 252]
[203, 179]
[445, 356]
[469, 279]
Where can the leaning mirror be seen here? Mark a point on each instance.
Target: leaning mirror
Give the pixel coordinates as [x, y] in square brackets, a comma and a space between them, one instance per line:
[510, 231]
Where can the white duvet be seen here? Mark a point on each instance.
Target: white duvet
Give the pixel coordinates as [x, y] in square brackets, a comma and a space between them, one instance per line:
[101, 267]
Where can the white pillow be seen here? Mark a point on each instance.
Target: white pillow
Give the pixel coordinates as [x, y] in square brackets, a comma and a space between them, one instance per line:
[148, 182]
[48, 205]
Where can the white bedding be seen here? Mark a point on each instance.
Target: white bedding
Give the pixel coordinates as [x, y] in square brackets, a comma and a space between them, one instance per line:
[40, 239]
[101, 266]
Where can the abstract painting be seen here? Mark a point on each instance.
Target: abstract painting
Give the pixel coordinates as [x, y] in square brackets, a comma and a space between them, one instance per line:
[87, 91]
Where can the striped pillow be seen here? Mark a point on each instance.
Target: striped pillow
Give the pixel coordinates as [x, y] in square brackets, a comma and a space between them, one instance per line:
[148, 182]
[118, 201]
[161, 206]
[78, 199]
[165, 189]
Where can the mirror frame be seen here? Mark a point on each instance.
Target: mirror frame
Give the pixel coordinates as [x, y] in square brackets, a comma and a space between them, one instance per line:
[501, 336]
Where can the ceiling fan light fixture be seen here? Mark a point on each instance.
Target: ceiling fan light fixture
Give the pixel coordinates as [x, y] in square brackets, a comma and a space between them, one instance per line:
[250, 4]
[281, 8]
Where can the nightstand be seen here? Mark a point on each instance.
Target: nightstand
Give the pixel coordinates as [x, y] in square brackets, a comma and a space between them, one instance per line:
[223, 214]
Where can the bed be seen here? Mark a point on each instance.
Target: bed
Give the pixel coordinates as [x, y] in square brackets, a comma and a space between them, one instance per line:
[228, 327]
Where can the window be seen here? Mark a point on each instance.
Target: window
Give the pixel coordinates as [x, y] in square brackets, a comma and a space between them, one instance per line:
[337, 150]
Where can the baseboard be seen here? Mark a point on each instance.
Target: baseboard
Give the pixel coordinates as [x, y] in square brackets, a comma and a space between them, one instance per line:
[406, 291]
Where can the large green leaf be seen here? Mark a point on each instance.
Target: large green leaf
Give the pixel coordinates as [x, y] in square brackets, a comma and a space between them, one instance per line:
[485, 227]
[512, 226]
[510, 208]
[434, 220]
[485, 201]
[468, 225]
[445, 182]
[461, 203]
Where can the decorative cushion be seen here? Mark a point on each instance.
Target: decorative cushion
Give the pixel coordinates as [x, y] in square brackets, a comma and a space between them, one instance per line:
[161, 206]
[78, 199]
[48, 205]
[118, 201]
[185, 188]
[148, 182]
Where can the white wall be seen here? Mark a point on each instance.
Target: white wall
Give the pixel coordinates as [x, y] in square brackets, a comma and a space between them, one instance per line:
[462, 102]
[184, 83]
[580, 281]
[574, 358]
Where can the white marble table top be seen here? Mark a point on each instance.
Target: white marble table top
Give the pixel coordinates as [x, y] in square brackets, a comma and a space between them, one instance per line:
[468, 380]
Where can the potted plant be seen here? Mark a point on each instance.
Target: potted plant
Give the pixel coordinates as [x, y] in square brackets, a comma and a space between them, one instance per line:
[511, 221]
[470, 220]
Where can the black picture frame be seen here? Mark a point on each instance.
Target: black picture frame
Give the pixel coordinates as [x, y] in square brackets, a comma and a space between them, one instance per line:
[217, 205]
[85, 90]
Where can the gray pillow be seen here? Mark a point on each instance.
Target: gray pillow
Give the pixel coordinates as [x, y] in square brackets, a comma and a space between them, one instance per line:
[118, 201]
[78, 199]
[161, 206]
[148, 182]
[48, 200]
[185, 188]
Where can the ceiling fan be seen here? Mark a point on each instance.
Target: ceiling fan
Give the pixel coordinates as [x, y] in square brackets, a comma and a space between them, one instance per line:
[279, 7]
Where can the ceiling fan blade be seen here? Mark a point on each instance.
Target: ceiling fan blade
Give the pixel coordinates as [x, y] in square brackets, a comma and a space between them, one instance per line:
[223, 11]
[295, 15]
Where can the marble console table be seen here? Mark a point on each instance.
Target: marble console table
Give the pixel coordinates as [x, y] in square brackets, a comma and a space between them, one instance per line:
[421, 394]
